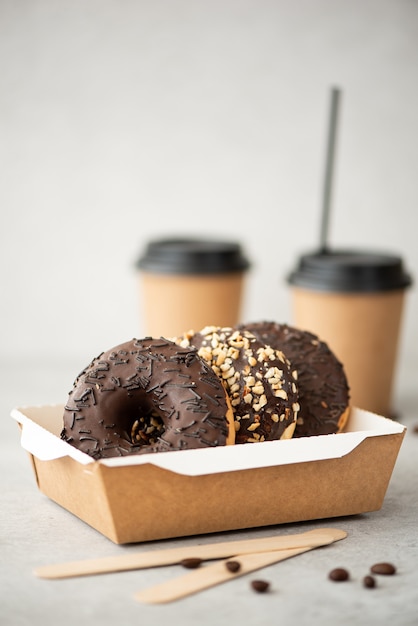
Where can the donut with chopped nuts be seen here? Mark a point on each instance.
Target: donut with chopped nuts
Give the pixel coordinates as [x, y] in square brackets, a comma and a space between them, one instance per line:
[324, 394]
[147, 395]
[259, 380]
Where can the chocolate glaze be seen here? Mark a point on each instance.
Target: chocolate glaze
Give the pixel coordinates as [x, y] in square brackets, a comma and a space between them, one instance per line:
[260, 383]
[323, 388]
[140, 386]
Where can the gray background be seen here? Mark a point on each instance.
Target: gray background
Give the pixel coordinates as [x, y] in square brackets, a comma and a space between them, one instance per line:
[125, 120]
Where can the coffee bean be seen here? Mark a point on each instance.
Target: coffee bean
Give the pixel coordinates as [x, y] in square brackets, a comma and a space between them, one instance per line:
[233, 566]
[387, 569]
[369, 581]
[191, 563]
[338, 574]
[260, 586]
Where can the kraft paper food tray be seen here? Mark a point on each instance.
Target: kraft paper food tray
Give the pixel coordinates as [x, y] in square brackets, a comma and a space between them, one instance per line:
[173, 494]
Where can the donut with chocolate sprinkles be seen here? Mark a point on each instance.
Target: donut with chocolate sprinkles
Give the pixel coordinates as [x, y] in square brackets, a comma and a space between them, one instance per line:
[147, 395]
[259, 380]
[324, 394]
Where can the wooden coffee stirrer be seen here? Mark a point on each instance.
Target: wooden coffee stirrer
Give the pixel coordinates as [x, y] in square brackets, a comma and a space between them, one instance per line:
[218, 572]
[155, 558]
[214, 574]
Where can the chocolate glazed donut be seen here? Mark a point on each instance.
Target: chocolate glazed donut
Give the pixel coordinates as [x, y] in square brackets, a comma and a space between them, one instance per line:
[258, 379]
[322, 383]
[147, 395]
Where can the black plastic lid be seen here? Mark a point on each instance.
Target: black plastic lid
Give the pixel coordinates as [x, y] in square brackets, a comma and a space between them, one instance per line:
[192, 256]
[350, 271]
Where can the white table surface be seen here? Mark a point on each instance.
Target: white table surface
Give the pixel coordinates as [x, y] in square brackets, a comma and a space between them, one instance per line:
[35, 531]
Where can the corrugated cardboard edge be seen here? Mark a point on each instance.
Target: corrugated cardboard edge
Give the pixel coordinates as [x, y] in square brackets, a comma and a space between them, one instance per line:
[31, 460]
[118, 502]
[41, 426]
[82, 490]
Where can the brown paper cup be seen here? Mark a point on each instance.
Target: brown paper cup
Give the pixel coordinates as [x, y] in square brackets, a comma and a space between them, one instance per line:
[172, 305]
[187, 284]
[355, 304]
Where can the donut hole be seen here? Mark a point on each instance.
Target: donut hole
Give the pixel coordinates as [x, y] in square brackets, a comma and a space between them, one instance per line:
[147, 429]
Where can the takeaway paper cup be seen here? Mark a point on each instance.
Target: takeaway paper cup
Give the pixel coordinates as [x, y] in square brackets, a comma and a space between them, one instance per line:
[354, 301]
[187, 284]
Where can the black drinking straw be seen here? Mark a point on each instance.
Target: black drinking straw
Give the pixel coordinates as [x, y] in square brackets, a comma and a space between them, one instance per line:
[329, 167]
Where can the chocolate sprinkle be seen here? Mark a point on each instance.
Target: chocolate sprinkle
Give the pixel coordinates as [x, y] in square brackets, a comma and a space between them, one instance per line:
[147, 404]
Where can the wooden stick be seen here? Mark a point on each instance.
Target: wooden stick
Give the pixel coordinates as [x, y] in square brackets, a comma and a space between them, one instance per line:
[210, 575]
[155, 558]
